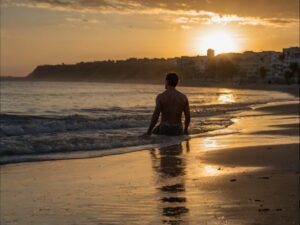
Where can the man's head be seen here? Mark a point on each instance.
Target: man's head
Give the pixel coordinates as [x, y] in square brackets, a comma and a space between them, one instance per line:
[171, 80]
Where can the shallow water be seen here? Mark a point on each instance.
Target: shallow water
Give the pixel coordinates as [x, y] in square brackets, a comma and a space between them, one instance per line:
[55, 117]
[234, 179]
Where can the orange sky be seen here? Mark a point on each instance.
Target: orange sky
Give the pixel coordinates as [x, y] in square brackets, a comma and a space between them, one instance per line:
[37, 32]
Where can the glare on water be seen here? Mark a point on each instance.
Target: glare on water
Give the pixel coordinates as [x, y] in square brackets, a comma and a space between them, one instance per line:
[226, 96]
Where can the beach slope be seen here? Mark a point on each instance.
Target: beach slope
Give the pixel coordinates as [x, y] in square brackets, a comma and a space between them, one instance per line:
[245, 174]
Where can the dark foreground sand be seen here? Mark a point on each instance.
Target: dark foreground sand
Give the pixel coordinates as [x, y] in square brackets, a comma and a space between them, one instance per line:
[245, 174]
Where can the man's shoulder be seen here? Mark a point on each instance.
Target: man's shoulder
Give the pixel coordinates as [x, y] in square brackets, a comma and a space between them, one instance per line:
[182, 95]
[166, 94]
[160, 95]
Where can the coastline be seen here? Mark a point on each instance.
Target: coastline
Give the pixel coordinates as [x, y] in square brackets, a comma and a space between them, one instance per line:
[65, 155]
[247, 176]
[291, 89]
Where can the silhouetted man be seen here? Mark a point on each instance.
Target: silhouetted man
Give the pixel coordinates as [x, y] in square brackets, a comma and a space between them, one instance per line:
[170, 104]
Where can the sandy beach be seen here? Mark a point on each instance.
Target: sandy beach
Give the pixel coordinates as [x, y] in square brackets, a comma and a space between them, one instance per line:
[247, 173]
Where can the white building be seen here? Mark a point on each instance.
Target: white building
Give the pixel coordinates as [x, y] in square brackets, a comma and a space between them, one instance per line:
[248, 65]
[270, 61]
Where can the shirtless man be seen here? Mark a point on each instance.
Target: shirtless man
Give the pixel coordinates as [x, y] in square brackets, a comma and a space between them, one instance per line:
[171, 104]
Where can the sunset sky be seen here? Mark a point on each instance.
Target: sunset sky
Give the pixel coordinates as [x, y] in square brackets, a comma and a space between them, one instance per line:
[37, 32]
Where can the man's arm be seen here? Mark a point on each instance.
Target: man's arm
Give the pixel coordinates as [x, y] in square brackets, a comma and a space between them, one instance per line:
[187, 117]
[155, 116]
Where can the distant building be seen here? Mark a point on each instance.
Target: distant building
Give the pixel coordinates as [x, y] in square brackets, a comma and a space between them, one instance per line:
[291, 55]
[250, 67]
[270, 63]
[187, 67]
[248, 64]
[210, 53]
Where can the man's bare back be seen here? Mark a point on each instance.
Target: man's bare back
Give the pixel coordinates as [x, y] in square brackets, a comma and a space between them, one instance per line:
[170, 104]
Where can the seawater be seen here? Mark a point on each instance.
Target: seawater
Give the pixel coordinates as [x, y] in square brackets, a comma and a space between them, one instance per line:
[39, 118]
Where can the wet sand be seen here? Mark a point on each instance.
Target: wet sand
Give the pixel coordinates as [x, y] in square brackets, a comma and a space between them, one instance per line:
[245, 174]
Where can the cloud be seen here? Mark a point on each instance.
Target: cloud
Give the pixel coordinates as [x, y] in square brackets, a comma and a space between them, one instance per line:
[253, 21]
[253, 8]
[81, 20]
[185, 27]
[257, 8]
[234, 19]
[276, 13]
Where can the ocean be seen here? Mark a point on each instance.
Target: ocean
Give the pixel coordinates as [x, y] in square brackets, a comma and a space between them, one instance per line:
[59, 120]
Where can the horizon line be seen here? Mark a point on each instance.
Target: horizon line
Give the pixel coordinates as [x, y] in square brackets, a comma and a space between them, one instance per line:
[132, 57]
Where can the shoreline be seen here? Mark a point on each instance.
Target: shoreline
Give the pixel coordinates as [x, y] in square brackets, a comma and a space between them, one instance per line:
[89, 154]
[235, 178]
[28, 158]
[291, 89]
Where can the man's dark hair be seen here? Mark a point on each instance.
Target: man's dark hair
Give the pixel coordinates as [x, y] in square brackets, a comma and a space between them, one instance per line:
[172, 79]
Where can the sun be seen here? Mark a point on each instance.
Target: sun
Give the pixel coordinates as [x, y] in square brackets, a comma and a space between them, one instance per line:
[221, 41]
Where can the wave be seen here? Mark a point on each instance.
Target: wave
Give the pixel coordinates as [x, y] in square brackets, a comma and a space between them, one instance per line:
[16, 125]
[113, 118]
[6, 159]
[30, 137]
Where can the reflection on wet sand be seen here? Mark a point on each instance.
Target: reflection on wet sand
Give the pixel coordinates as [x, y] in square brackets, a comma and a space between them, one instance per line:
[210, 143]
[169, 164]
[211, 170]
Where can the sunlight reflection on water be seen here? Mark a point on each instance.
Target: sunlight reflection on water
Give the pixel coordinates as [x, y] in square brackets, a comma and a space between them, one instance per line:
[226, 98]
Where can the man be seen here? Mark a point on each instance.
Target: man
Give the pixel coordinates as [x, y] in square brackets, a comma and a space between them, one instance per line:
[170, 104]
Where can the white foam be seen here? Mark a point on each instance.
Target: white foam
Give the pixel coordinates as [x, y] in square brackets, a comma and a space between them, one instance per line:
[25, 125]
[88, 154]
